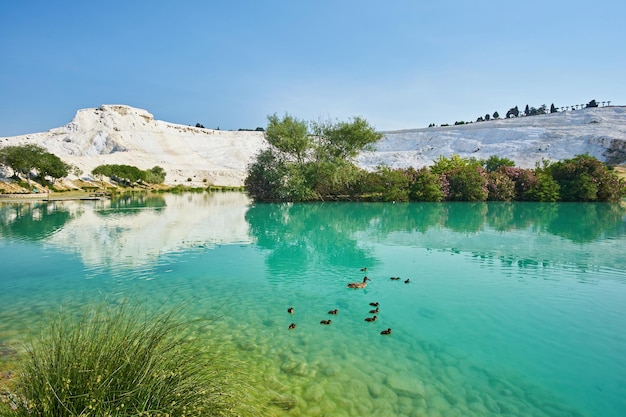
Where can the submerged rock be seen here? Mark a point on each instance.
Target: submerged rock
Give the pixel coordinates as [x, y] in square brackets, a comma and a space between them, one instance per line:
[406, 385]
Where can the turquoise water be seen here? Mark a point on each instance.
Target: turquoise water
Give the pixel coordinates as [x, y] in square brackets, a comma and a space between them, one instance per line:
[511, 310]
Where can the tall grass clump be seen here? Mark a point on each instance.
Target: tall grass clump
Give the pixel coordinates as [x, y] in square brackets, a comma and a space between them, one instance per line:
[125, 361]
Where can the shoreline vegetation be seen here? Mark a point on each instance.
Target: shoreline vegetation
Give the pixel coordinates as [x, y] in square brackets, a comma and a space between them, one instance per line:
[315, 161]
[119, 359]
[309, 161]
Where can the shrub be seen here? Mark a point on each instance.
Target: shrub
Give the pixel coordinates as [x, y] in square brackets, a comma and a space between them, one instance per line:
[500, 187]
[585, 178]
[427, 186]
[467, 183]
[524, 179]
[124, 361]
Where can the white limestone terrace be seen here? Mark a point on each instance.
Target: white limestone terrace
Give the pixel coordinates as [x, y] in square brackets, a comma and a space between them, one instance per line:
[120, 134]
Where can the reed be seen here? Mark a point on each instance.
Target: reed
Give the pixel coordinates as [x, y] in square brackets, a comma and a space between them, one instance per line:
[126, 361]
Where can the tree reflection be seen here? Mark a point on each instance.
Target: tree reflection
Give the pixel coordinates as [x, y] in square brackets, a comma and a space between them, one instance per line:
[331, 230]
[32, 220]
[130, 203]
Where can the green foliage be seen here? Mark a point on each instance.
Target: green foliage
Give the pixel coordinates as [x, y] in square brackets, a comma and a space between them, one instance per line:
[123, 361]
[266, 177]
[545, 189]
[289, 137]
[301, 166]
[343, 140]
[585, 178]
[130, 174]
[392, 184]
[50, 165]
[494, 162]
[333, 179]
[443, 165]
[427, 186]
[467, 183]
[500, 186]
[156, 175]
[24, 159]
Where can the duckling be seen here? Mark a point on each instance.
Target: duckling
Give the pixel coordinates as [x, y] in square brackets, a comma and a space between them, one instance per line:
[395, 278]
[407, 281]
[363, 269]
[326, 321]
[370, 319]
[388, 331]
[359, 284]
[292, 326]
[335, 311]
[374, 311]
[376, 304]
[290, 310]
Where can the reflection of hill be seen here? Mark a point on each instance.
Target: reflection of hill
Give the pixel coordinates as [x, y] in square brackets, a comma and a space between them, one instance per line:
[32, 220]
[103, 235]
[515, 232]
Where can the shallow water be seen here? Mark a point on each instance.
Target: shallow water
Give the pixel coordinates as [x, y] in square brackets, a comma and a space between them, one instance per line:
[511, 309]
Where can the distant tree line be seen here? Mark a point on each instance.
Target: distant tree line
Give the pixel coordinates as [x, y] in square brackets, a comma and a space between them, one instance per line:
[303, 164]
[128, 174]
[528, 111]
[24, 160]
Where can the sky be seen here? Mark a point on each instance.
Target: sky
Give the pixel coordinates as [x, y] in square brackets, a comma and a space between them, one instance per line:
[400, 64]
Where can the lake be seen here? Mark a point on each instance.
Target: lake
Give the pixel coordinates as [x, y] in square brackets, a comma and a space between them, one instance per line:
[511, 309]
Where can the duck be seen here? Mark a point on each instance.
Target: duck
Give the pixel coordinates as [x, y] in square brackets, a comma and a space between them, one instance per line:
[376, 304]
[290, 310]
[374, 311]
[363, 269]
[407, 281]
[370, 319]
[359, 284]
[395, 278]
[335, 311]
[292, 326]
[388, 331]
[326, 321]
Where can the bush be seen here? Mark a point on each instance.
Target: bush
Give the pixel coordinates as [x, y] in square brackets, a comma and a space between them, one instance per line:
[500, 186]
[585, 178]
[124, 361]
[427, 186]
[467, 183]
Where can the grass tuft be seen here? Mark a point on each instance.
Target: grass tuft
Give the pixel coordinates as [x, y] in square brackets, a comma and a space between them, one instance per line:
[125, 361]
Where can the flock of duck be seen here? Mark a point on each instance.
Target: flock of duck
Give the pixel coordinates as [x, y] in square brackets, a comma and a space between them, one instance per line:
[361, 284]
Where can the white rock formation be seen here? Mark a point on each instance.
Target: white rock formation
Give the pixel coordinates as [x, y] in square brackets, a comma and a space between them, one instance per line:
[118, 134]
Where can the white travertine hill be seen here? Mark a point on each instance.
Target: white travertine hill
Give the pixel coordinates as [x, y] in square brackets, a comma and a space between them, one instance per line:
[119, 134]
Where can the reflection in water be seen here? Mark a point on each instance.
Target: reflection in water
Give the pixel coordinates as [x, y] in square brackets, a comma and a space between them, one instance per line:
[498, 319]
[538, 233]
[131, 231]
[32, 220]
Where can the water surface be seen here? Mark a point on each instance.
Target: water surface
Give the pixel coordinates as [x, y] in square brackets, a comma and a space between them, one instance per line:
[512, 309]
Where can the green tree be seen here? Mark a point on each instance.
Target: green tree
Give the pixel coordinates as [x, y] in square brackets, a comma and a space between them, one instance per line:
[22, 159]
[302, 165]
[585, 178]
[467, 183]
[494, 162]
[428, 186]
[343, 140]
[393, 184]
[155, 175]
[50, 165]
[289, 137]
[500, 187]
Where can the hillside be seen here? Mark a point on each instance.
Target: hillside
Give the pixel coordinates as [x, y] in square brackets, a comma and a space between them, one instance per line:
[118, 134]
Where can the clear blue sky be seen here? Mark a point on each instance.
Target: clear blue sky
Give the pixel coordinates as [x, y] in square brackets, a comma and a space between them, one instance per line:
[399, 64]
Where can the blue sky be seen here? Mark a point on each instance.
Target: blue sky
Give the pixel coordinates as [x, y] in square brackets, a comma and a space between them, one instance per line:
[399, 64]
